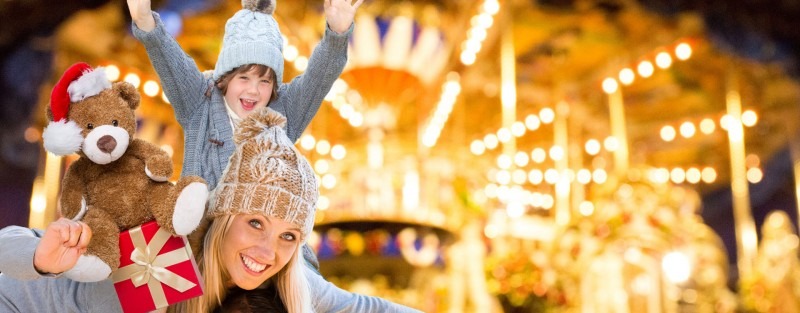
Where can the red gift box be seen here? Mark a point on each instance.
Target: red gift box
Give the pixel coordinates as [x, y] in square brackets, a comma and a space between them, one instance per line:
[156, 269]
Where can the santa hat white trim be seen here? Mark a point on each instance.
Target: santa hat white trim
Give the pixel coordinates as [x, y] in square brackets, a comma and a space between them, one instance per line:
[91, 83]
[62, 137]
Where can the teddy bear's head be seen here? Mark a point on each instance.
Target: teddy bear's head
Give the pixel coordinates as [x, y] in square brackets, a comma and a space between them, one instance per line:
[90, 116]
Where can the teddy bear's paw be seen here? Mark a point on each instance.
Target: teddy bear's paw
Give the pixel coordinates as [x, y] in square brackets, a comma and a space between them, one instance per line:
[189, 208]
[154, 176]
[88, 269]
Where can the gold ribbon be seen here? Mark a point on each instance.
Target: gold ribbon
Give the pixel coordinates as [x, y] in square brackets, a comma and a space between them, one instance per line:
[149, 267]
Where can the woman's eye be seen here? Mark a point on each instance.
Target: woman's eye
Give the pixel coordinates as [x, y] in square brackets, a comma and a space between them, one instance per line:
[90, 126]
[115, 123]
[289, 236]
[255, 223]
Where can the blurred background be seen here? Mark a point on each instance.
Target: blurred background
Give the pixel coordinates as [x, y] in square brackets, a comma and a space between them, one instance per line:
[493, 155]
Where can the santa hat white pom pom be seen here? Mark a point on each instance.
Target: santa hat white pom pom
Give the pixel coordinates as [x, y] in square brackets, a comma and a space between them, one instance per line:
[62, 137]
[91, 83]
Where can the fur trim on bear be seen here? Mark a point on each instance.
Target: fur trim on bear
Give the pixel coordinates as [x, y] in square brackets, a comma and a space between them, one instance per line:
[91, 83]
[62, 137]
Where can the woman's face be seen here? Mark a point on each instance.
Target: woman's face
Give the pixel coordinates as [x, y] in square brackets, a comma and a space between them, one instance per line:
[257, 247]
[248, 92]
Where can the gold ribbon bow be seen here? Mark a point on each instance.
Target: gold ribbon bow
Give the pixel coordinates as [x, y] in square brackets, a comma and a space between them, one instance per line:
[149, 267]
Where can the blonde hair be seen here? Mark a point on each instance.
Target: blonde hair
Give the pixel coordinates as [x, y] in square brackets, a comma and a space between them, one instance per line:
[291, 280]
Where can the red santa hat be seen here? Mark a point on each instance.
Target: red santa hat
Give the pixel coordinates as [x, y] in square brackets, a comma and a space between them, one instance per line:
[63, 136]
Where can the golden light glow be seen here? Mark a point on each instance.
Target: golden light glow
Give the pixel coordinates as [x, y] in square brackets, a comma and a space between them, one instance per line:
[535, 176]
[547, 115]
[599, 176]
[490, 141]
[707, 126]
[504, 135]
[586, 208]
[518, 129]
[668, 133]
[709, 175]
[538, 155]
[322, 166]
[687, 129]
[557, 153]
[592, 147]
[338, 152]
[626, 76]
[611, 143]
[519, 176]
[521, 159]
[504, 161]
[749, 118]
[752, 160]
[112, 72]
[151, 88]
[133, 79]
[323, 147]
[645, 69]
[693, 175]
[754, 175]
[477, 147]
[677, 175]
[610, 85]
[307, 142]
[683, 51]
[532, 122]
[663, 60]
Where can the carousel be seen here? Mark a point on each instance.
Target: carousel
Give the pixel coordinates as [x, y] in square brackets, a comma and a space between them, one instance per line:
[515, 156]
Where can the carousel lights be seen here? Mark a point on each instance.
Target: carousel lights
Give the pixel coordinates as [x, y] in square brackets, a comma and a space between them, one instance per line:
[450, 91]
[151, 88]
[112, 72]
[676, 266]
[521, 159]
[707, 125]
[668, 133]
[477, 147]
[592, 147]
[538, 155]
[133, 79]
[477, 32]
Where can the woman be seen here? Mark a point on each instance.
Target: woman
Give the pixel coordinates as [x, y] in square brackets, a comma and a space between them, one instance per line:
[261, 213]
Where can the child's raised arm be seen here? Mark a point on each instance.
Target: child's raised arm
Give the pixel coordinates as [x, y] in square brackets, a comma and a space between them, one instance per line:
[141, 14]
[340, 14]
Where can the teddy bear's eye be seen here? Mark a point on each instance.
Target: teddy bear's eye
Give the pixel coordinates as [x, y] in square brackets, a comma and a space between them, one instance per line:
[115, 123]
[90, 126]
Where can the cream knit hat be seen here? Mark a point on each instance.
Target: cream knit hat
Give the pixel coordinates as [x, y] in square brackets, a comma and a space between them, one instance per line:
[267, 175]
[252, 36]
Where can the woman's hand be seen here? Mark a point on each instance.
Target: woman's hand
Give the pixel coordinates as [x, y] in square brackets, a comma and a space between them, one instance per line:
[339, 13]
[142, 14]
[63, 242]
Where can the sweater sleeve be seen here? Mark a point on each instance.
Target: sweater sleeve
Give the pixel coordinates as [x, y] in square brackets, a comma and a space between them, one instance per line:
[300, 99]
[17, 246]
[326, 297]
[182, 81]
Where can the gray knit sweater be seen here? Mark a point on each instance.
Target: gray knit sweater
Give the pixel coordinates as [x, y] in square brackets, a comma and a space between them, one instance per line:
[200, 108]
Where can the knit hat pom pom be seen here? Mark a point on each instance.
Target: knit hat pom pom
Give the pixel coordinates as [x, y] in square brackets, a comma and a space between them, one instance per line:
[259, 122]
[263, 6]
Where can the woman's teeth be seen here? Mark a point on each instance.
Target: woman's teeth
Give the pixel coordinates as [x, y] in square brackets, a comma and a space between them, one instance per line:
[253, 265]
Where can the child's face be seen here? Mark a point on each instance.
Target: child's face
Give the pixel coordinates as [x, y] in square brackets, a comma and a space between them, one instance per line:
[256, 247]
[248, 92]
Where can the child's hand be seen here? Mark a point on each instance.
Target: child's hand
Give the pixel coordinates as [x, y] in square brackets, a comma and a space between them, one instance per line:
[63, 242]
[142, 14]
[339, 13]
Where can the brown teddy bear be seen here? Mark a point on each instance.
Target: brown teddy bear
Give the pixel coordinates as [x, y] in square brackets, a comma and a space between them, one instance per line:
[118, 182]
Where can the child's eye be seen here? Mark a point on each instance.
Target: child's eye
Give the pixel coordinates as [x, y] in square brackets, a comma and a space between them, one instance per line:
[255, 223]
[265, 81]
[289, 236]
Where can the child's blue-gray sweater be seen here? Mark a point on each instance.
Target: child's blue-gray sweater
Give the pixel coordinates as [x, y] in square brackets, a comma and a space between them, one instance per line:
[200, 106]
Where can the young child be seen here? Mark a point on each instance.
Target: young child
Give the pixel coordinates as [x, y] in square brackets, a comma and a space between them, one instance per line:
[248, 76]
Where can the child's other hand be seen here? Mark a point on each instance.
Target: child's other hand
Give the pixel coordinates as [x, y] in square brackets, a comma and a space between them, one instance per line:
[142, 14]
[63, 242]
[339, 13]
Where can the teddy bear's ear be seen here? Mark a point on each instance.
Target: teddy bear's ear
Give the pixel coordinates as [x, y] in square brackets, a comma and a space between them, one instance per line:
[128, 92]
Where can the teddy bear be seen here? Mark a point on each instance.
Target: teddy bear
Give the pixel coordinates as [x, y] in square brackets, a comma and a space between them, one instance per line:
[118, 181]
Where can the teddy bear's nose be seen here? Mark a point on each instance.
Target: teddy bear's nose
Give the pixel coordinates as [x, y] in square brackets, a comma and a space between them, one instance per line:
[106, 144]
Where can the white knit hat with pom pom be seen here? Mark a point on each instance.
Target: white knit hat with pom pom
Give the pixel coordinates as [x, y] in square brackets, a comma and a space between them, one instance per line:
[252, 36]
